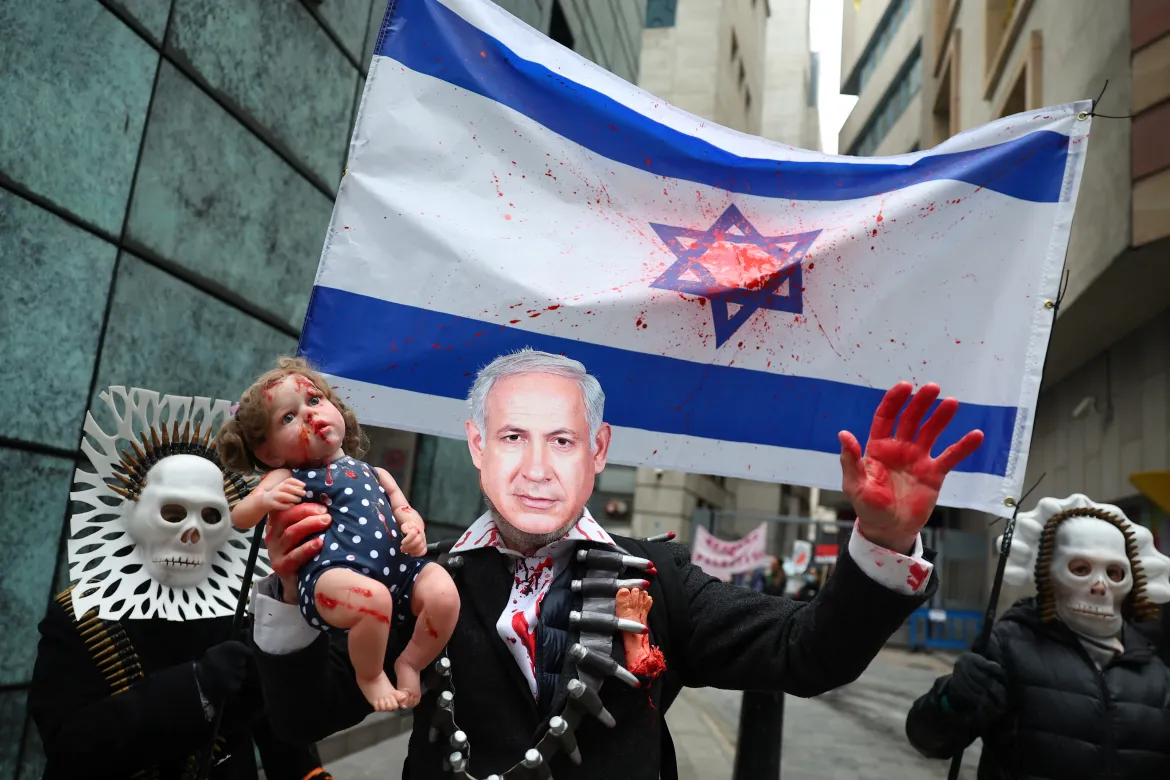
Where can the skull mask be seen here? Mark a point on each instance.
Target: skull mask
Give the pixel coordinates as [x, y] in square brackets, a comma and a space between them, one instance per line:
[1091, 576]
[180, 520]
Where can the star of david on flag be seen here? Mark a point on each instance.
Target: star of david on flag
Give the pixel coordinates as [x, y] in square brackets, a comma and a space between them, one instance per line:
[733, 264]
[739, 301]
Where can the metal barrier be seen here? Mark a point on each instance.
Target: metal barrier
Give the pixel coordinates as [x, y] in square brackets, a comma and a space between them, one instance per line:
[944, 629]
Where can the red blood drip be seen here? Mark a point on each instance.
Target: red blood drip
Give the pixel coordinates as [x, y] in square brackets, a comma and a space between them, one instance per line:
[305, 386]
[430, 628]
[649, 664]
[363, 592]
[328, 475]
[325, 601]
[520, 626]
[492, 536]
[380, 617]
[918, 573]
[350, 474]
[305, 436]
[739, 265]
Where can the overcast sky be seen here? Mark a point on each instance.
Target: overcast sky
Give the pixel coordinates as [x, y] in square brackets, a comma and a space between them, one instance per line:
[825, 37]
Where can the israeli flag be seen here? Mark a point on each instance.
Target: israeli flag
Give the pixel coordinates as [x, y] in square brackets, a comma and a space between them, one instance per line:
[740, 301]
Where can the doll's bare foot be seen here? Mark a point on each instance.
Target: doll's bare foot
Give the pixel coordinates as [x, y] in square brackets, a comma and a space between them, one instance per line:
[380, 693]
[641, 658]
[409, 684]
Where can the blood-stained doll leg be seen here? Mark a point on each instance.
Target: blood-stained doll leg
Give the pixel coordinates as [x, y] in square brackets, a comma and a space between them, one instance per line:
[348, 600]
[435, 603]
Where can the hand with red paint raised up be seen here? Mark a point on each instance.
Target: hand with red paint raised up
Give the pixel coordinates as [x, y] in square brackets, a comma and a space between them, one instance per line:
[894, 487]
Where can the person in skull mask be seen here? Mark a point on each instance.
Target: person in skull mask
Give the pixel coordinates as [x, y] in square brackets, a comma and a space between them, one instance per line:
[1070, 687]
[135, 658]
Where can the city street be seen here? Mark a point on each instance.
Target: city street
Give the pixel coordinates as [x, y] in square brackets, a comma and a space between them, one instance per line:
[855, 732]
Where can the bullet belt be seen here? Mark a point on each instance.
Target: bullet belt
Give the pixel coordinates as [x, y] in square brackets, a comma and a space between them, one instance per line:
[116, 659]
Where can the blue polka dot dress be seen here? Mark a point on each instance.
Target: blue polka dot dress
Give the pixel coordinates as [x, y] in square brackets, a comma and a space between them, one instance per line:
[363, 536]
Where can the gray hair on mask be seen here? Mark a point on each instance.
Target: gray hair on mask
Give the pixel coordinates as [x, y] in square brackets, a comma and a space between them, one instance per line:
[530, 361]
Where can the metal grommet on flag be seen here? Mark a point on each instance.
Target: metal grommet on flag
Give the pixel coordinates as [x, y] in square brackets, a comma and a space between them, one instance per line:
[1009, 502]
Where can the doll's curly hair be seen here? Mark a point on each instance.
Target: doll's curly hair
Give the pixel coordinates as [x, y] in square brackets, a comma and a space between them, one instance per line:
[1139, 607]
[237, 438]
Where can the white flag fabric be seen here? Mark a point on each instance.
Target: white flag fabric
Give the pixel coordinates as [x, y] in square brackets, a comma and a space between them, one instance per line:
[739, 300]
[722, 559]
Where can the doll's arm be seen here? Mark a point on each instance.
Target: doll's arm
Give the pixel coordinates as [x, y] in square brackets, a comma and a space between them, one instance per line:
[277, 490]
[414, 541]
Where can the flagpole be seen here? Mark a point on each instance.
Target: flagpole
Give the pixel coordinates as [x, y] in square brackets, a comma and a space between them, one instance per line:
[980, 645]
[237, 624]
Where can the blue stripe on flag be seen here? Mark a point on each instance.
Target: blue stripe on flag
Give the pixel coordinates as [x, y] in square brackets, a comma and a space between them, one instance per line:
[438, 354]
[428, 37]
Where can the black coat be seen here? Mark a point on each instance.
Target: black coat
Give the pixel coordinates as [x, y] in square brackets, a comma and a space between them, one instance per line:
[1065, 718]
[712, 634]
[159, 720]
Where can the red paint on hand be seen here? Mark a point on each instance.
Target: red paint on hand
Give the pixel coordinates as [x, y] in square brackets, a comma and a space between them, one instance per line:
[894, 487]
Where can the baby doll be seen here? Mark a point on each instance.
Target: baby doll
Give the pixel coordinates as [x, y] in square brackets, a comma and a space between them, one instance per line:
[291, 425]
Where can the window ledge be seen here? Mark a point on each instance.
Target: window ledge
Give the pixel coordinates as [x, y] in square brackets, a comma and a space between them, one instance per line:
[1010, 35]
[942, 45]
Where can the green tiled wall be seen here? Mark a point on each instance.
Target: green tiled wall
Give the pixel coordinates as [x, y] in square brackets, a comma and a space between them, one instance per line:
[170, 336]
[164, 192]
[28, 545]
[279, 67]
[56, 280]
[83, 88]
[151, 15]
[221, 204]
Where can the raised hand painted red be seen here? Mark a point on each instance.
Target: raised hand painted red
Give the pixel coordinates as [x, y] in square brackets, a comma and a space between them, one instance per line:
[894, 486]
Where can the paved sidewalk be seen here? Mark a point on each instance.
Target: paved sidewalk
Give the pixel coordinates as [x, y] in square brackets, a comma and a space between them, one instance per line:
[854, 733]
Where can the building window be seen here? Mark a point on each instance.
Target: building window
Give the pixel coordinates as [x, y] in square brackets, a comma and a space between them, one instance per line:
[942, 14]
[945, 114]
[887, 28]
[1025, 90]
[661, 13]
[891, 106]
[1002, 24]
[558, 27]
[814, 75]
